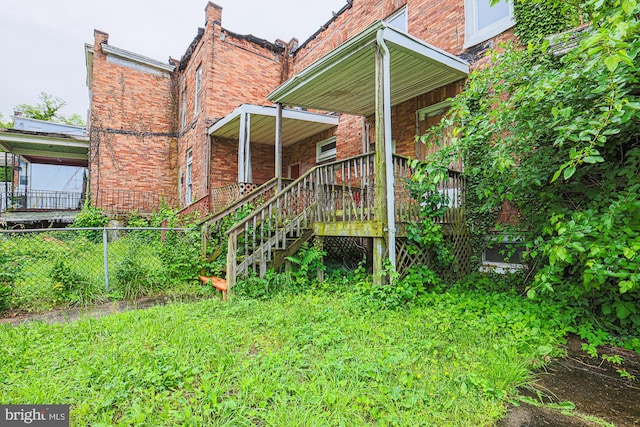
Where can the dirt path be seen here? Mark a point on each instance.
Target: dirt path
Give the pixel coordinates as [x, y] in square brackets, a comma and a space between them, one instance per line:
[95, 311]
[602, 397]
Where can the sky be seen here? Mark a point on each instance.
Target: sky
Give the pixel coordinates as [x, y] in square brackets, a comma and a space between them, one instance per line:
[42, 41]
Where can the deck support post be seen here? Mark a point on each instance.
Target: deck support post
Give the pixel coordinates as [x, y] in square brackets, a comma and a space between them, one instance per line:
[384, 175]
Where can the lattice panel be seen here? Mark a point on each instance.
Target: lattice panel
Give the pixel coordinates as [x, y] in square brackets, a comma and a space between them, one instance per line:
[346, 250]
[405, 260]
[457, 234]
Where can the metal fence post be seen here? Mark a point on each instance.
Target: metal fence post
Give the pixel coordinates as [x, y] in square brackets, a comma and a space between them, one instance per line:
[106, 259]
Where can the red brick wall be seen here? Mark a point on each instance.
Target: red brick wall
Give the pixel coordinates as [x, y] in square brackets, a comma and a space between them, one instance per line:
[224, 162]
[132, 122]
[235, 71]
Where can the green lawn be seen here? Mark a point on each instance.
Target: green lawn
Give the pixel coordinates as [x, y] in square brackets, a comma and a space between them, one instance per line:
[314, 359]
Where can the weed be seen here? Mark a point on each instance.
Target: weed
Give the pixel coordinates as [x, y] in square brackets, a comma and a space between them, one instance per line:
[305, 358]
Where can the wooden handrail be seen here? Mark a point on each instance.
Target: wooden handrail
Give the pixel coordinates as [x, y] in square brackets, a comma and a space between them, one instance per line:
[293, 184]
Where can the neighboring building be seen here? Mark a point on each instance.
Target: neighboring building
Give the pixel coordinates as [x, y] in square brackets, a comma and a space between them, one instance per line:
[45, 157]
[207, 128]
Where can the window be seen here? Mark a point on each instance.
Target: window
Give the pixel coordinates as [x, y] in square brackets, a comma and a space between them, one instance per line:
[398, 20]
[198, 88]
[503, 254]
[183, 119]
[483, 21]
[188, 193]
[326, 150]
[427, 118]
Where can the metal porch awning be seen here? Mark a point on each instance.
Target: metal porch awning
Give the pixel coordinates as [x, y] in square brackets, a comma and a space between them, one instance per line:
[297, 124]
[46, 148]
[344, 80]
[257, 124]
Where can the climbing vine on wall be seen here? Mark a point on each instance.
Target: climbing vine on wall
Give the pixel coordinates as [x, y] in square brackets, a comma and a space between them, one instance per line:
[557, 137]
[541, 18]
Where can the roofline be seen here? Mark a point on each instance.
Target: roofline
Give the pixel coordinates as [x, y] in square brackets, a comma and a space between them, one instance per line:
[47, 122]
[325, 26]
[368, 37]
[37, 137]
[135, 57]
[287, 113]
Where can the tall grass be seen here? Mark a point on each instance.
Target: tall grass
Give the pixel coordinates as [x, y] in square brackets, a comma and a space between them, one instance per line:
[295, 360]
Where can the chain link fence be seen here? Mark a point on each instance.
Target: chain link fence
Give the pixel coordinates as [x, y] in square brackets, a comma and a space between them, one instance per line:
[40, 269]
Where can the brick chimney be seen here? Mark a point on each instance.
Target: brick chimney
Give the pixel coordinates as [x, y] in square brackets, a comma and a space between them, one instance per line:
[213, 14]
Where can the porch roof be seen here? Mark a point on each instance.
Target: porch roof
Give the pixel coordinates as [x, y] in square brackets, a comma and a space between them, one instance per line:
[297, 125]
[344, 80]
[45, 147]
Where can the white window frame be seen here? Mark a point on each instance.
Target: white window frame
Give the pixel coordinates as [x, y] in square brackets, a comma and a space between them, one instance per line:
[188, 193]
[196, 108]
[472, 34]
[326, 155]
[401, 16]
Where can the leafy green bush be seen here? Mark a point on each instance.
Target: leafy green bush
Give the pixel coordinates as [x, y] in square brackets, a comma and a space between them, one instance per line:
[303, 275]
[70, 285]
[556, 137]
[90, 217]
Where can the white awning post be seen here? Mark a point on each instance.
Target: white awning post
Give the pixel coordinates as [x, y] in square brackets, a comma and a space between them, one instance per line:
[278, 154]
[241, 148]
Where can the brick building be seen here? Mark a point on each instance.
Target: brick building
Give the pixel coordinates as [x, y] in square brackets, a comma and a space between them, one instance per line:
[340, 111]
[156, 127]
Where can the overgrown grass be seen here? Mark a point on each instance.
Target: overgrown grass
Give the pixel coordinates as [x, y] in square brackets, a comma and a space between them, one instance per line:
[314, 358]
[60, 268]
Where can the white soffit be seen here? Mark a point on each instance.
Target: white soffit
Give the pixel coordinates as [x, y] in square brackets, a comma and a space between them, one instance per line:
[344, 79]
[297, 125]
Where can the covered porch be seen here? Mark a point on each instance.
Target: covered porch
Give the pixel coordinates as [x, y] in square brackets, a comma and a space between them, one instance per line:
[250, 125]
[22, 201]
[379, 68]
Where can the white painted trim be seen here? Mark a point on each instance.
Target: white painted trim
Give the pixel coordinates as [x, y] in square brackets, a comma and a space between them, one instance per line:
[327, 155]
[271, 111]
[473, 35]
[126, 58]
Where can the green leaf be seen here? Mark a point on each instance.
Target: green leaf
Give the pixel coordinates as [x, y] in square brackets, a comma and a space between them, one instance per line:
[628, 6]
[568, 172]
[625, 286]
[612, 62]
[593, 159]
[622, 311]
[556, 175]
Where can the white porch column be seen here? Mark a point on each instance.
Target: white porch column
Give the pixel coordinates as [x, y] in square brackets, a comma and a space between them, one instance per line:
[278, 159]
[248, 173]
[242, 144]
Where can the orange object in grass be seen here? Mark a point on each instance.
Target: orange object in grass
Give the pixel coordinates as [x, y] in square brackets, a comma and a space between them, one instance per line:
[216, 282]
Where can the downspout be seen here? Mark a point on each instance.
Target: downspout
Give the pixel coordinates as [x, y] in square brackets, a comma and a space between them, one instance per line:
[279, 145]
[388, 154]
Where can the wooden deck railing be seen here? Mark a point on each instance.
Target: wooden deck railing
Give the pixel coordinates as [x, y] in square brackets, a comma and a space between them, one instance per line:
[338, 191]
[341, 191]
[408, 206]
[214, 226]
